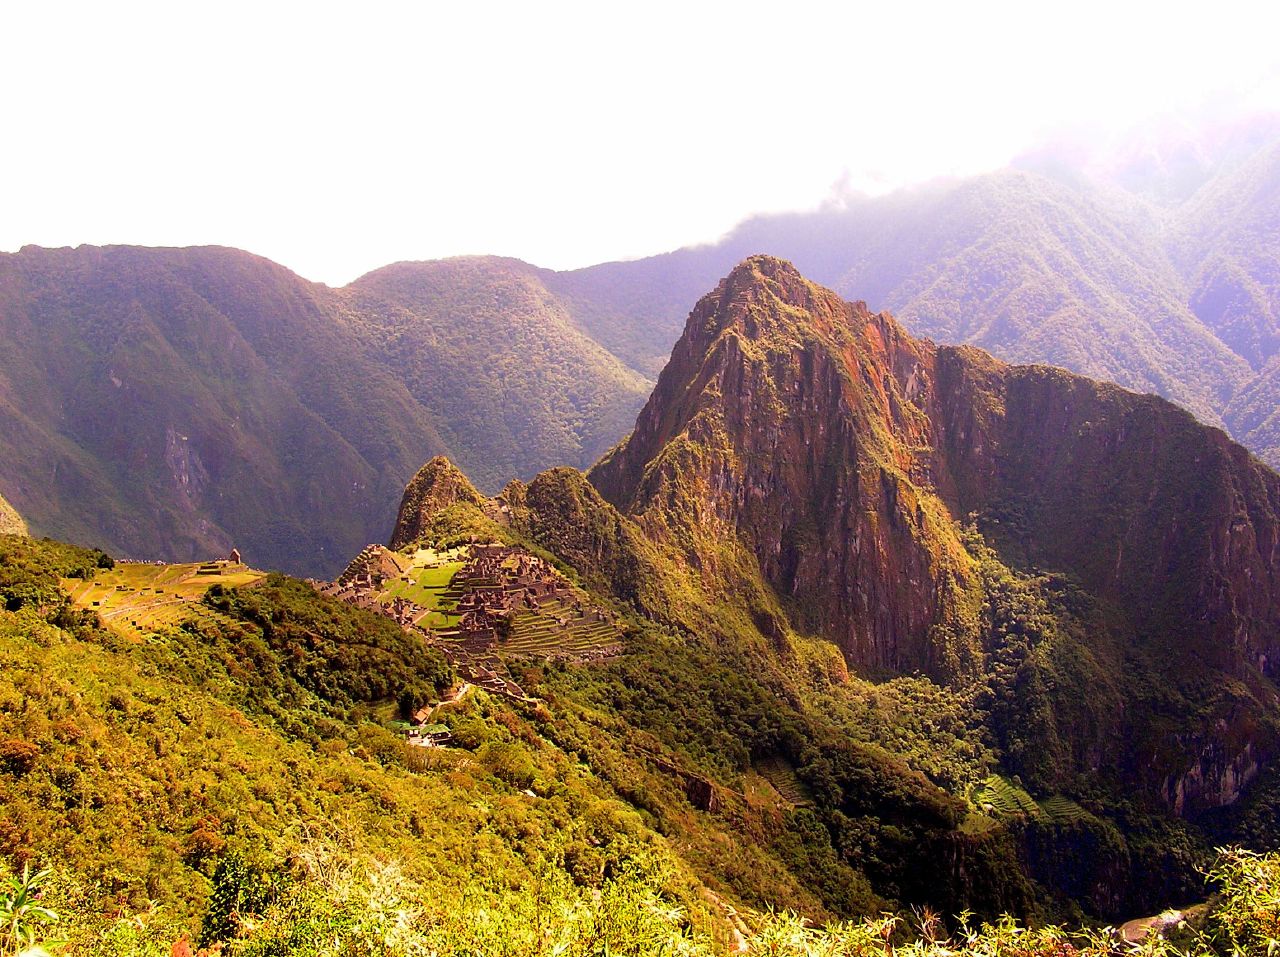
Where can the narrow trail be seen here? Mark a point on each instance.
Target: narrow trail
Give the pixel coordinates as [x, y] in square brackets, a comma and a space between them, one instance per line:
[736, 924]
[454, 697]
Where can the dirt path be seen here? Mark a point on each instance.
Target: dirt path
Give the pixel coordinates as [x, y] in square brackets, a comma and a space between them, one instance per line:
[736, 924]
[454, 697]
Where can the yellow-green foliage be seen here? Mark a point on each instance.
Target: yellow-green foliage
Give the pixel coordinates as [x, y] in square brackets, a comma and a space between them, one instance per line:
[136, 768]
[325, 899]
[1004, 797]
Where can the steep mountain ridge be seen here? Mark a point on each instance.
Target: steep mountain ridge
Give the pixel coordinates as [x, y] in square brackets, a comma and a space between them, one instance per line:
[1038, 264]
[843, 456]
[774, 425]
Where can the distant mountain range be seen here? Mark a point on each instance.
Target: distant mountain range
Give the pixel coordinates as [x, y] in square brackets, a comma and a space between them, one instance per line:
[173, 402]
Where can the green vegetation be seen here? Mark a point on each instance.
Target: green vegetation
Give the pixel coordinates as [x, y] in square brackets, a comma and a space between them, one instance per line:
[513, 380]
[138, 599]
[425, 585]
[344, 655]
[324, 901]
[179, 401]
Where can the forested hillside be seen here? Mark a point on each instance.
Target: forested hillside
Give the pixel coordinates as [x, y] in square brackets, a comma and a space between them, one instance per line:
[174, 403]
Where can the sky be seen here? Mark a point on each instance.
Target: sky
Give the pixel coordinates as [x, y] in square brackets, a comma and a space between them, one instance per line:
[336, 138]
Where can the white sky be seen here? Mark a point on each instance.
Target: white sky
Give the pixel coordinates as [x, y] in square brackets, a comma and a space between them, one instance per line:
[335, 138]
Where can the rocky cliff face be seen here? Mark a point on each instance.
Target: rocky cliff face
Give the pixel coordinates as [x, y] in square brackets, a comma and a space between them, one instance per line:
[844, 457]
[790, 421]
[844, 451]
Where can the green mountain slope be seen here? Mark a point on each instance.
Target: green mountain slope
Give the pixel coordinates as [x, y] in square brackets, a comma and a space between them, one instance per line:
[501, 362]
[176, 402]
[173, 403]
[211, 786]
[1228, 245]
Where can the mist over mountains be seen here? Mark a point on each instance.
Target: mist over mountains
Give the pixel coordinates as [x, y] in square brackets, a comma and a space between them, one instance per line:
[171, 403]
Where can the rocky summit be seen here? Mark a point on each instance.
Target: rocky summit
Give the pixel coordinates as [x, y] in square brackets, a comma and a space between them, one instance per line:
[855, 464]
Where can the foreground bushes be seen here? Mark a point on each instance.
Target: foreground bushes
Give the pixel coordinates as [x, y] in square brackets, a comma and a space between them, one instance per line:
[323, 903]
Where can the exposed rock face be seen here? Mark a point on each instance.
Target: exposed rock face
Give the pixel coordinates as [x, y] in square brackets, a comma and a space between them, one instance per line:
[843, 450]
[11, 522]
[797, 424]
[1166, 518]
[437, 485]
[839, 453]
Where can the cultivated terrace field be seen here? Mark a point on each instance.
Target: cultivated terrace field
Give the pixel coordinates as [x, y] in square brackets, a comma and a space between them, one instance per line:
[139, 599]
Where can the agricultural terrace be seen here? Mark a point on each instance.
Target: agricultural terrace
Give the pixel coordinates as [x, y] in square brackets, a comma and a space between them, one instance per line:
[139, 599]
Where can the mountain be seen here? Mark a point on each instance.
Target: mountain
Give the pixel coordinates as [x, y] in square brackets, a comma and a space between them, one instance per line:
[1155, 270]
[175, 402]
[842, 457]
[881, 627]
[1228, 247]
[500, 360]
[1087, 577]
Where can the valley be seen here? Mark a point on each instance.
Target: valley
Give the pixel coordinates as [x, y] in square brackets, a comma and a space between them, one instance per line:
[169, 403]
[821, 634]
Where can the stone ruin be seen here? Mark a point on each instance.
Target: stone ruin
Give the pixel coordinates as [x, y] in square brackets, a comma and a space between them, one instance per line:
[495, 584]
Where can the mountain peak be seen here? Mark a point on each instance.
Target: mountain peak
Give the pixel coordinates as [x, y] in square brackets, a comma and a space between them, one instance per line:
[762, 266]
[435, 487]
[807, 437]
[766, 298]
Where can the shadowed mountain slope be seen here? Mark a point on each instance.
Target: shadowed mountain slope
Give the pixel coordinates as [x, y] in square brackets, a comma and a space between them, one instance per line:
[174, 402]
[843, 457]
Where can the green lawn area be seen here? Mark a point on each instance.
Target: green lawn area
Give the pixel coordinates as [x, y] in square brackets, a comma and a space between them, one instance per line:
[424, 586]
[437, 619]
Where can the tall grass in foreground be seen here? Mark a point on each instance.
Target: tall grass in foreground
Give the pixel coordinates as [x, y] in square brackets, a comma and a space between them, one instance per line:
[326, 904]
